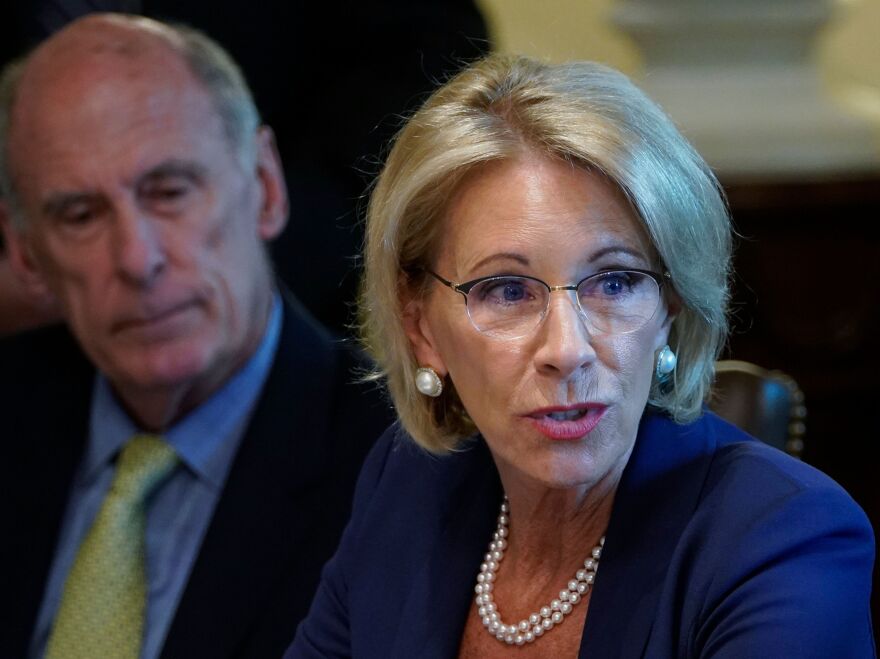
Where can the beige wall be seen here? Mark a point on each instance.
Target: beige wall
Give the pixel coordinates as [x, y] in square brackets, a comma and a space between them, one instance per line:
[848, 51]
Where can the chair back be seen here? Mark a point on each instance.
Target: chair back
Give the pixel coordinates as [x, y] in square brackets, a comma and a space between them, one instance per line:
[766, 404]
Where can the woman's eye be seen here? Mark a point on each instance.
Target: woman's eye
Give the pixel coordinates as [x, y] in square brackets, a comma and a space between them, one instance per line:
[506, 291]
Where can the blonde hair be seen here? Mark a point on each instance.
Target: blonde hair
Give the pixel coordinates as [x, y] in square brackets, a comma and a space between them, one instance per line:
[582, 112]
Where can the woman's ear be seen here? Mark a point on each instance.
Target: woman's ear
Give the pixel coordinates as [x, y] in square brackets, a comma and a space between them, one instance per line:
[671, 305]
[417, 325]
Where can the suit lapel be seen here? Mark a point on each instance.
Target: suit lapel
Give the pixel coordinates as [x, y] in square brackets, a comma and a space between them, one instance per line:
[43, 453]
[266, 507]
[654, 503]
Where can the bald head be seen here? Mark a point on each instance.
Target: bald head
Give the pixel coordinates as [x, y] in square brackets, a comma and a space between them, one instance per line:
[99, 54]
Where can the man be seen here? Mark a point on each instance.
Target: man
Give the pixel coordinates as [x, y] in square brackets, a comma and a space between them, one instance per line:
[140, 190]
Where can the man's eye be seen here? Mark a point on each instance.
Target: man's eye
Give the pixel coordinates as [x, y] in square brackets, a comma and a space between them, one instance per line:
[167, 192]
[78, 215]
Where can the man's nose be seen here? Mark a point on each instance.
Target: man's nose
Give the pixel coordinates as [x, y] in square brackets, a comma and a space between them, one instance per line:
[565, 342]
[140, 254]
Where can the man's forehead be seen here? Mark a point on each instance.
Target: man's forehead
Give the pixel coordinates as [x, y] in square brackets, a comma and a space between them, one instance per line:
[92, 69]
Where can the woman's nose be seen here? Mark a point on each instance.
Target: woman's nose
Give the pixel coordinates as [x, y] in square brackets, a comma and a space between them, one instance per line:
[565, 343]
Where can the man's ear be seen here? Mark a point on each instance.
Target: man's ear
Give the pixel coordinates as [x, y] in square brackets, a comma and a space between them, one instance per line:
[21, 260]
[275, 208]
[421, 337]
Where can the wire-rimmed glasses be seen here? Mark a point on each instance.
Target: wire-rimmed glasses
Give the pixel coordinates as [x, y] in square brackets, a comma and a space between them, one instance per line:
[512, 306]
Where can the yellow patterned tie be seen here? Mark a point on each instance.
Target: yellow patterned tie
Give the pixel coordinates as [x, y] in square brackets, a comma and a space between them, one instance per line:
[102, 608]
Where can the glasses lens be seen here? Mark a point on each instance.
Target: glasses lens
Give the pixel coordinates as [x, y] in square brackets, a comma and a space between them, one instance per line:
[507, 307]
[619, 302]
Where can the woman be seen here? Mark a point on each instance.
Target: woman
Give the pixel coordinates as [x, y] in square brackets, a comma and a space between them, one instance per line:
[545, 292]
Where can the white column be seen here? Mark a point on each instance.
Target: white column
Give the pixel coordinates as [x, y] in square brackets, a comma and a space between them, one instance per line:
[739, 77]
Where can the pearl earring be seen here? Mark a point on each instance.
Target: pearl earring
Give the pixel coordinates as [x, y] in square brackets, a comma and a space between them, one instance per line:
[428, 382]
[666, 361]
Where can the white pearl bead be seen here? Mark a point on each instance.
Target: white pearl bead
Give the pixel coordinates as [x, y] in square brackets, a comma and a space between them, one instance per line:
[590, 577]
[502, 532]
[519, 639]
[557, 617]
[487, 588]
[546, 623]
[481, 577]
[554, 605]
[545, 612]
[495, 625]
[597, 553]
[582, 588]
[529, 636]
[486, 621]
[538, 630]
[478, 589]
[496, 556]
[581, 575]
[490, 607]
[565, 608]
[573, 584]
[482, 611]
[590, 564]
[502, 520]
[534, 619]
[563, 595]
[493, 565]
[574, 598]
[508, 638]
[523, 625]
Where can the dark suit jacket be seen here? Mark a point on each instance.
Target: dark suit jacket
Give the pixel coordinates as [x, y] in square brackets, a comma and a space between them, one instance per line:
[278, 519]
[718, 546]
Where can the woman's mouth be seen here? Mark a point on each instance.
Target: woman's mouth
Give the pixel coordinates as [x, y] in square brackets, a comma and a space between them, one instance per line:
[567, 423]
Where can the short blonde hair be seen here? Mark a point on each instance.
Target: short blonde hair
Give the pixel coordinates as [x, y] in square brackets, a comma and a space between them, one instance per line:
[582, 112]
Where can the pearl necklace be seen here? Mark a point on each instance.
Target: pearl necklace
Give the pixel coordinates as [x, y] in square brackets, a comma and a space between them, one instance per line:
[530, 629]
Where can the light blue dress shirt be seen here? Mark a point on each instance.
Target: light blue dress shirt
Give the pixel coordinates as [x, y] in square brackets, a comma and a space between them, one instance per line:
[206, 441]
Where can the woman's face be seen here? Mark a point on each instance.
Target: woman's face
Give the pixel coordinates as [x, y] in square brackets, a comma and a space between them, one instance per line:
[558, 407]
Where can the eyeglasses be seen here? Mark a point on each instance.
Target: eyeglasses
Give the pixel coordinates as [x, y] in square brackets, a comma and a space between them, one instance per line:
[511, 306]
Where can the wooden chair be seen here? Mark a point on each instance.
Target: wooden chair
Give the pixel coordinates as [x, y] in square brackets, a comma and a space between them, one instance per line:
[766, 404]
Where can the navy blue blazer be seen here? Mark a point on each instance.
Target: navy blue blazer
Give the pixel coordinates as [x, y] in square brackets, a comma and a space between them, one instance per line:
[718, 546]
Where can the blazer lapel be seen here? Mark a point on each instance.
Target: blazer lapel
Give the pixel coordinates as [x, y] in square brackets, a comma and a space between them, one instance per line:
[270, 505]
[436, 608]
[654, 503]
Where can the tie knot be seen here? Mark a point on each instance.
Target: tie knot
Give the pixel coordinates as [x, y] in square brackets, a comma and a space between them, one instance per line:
[145, 461]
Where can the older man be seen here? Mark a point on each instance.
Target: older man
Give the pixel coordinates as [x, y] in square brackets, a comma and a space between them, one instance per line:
[176, 473]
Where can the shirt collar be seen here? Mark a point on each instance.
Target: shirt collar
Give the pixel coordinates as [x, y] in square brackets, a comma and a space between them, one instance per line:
[207, 438]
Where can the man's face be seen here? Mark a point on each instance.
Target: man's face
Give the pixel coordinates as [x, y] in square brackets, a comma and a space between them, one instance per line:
[144, 221]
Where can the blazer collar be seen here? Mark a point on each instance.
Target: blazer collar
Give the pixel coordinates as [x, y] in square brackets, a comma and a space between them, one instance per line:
[434, 613]
[658, 493]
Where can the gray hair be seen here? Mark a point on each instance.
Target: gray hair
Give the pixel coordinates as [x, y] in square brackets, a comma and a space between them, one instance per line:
[581, 112]
[209, 63]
